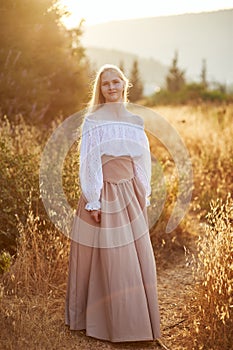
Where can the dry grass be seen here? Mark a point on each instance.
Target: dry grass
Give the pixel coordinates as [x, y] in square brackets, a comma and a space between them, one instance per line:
[207, 132]
[41, 260]
[32, 292]
[213, 320]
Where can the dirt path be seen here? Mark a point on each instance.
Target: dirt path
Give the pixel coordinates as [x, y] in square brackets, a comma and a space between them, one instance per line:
[37, 323]
[174, 282]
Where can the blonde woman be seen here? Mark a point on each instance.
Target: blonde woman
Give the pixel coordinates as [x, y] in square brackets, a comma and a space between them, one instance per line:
[112, 287]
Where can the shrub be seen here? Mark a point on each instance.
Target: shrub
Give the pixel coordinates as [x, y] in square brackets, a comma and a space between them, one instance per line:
[189, 93]
[19, 149]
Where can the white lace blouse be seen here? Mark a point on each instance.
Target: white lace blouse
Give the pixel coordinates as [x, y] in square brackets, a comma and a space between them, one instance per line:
[116, 138]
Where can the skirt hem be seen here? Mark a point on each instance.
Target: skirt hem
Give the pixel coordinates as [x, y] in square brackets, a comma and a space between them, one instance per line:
[115, 340]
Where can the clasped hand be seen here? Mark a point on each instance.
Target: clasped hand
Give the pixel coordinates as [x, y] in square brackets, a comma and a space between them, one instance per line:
[96, 214]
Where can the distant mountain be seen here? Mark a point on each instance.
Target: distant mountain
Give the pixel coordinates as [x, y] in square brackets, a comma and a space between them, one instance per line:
[152, 72]
[207, 35]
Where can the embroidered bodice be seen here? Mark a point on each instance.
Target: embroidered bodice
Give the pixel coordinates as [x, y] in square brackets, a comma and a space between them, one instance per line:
[116, 138]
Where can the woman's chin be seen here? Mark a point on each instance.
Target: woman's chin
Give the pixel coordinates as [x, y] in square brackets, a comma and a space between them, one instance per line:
[113, 99]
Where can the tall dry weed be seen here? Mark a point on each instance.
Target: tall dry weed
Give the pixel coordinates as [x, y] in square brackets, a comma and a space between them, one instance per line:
[213, 321]
[40, 265]
[207, 131]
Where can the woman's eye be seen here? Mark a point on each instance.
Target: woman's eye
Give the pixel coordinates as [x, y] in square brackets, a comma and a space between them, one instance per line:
[114, 82]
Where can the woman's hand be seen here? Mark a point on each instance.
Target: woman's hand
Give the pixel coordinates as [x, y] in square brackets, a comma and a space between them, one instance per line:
[96, 214]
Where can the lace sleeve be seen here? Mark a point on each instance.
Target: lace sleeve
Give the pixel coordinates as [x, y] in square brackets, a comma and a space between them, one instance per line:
[142, 166]
[90, 173]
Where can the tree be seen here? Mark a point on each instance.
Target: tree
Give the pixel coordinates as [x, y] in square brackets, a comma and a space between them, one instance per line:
[175, 79]
[203, 74]
[137, 86]
[121, 66]
[43, 68]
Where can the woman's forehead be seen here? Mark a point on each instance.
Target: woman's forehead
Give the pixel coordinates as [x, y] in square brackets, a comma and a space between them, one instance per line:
[109, 75]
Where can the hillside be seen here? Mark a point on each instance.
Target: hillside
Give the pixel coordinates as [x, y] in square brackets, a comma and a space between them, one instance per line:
[198, 36]
[152, 72]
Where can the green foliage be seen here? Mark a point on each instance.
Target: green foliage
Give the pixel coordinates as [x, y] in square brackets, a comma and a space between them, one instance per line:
[175, 79]
[5, 261]
[178, 92]
[190, 93]
[43, 66]
[136, 92]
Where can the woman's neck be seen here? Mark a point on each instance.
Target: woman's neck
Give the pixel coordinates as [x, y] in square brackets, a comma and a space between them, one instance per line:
[116, 109]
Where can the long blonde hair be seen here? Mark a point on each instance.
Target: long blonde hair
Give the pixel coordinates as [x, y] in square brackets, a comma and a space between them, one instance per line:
[97, 98]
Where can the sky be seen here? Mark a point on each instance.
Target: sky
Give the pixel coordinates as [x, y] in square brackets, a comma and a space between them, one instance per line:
[99, 11]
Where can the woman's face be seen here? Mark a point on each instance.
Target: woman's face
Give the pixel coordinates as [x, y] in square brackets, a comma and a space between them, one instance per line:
[111, 86]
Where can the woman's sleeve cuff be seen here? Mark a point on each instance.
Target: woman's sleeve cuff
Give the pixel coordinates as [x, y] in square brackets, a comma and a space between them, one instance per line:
[147, 202]
[93, 205]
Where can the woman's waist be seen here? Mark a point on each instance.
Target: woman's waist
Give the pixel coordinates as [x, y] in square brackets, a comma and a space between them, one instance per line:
[117, 168]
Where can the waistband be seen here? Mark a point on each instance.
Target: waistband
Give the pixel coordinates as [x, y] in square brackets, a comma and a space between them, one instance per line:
[117, 169]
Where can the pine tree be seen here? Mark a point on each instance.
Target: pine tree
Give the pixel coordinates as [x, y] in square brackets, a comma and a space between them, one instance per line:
[121, 66]
[175, 79]
[136, 92]
[203, 74]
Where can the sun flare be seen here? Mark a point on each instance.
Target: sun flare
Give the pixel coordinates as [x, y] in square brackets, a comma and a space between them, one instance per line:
[98, 11]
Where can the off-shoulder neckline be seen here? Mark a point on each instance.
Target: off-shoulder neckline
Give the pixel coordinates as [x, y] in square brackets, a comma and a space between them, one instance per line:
[103, 121]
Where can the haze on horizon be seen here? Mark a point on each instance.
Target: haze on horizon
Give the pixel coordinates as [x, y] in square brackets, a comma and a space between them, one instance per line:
[95, 12]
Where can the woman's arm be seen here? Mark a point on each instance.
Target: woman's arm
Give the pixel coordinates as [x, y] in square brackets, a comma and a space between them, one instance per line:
[90, 172]
[142, 166]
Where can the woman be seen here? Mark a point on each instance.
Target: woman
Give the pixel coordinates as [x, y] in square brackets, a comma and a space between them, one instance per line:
[111, 290]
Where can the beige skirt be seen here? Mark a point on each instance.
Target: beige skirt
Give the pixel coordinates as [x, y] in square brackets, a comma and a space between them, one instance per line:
[112, 285]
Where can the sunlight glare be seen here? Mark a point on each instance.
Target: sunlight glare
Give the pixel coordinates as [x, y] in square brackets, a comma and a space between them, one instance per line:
[99, 11]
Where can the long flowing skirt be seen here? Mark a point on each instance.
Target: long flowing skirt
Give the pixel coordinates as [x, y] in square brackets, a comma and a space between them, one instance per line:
[112, 285]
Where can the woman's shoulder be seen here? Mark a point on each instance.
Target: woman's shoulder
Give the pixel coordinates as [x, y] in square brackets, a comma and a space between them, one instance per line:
[134, 119]
[93, 116]
[101, 116]
[137, 119]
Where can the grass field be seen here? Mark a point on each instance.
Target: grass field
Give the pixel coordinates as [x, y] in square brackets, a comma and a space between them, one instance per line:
[195, 261]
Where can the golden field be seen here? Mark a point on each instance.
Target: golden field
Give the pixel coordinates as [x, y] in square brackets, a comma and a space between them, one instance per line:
[195, 261]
